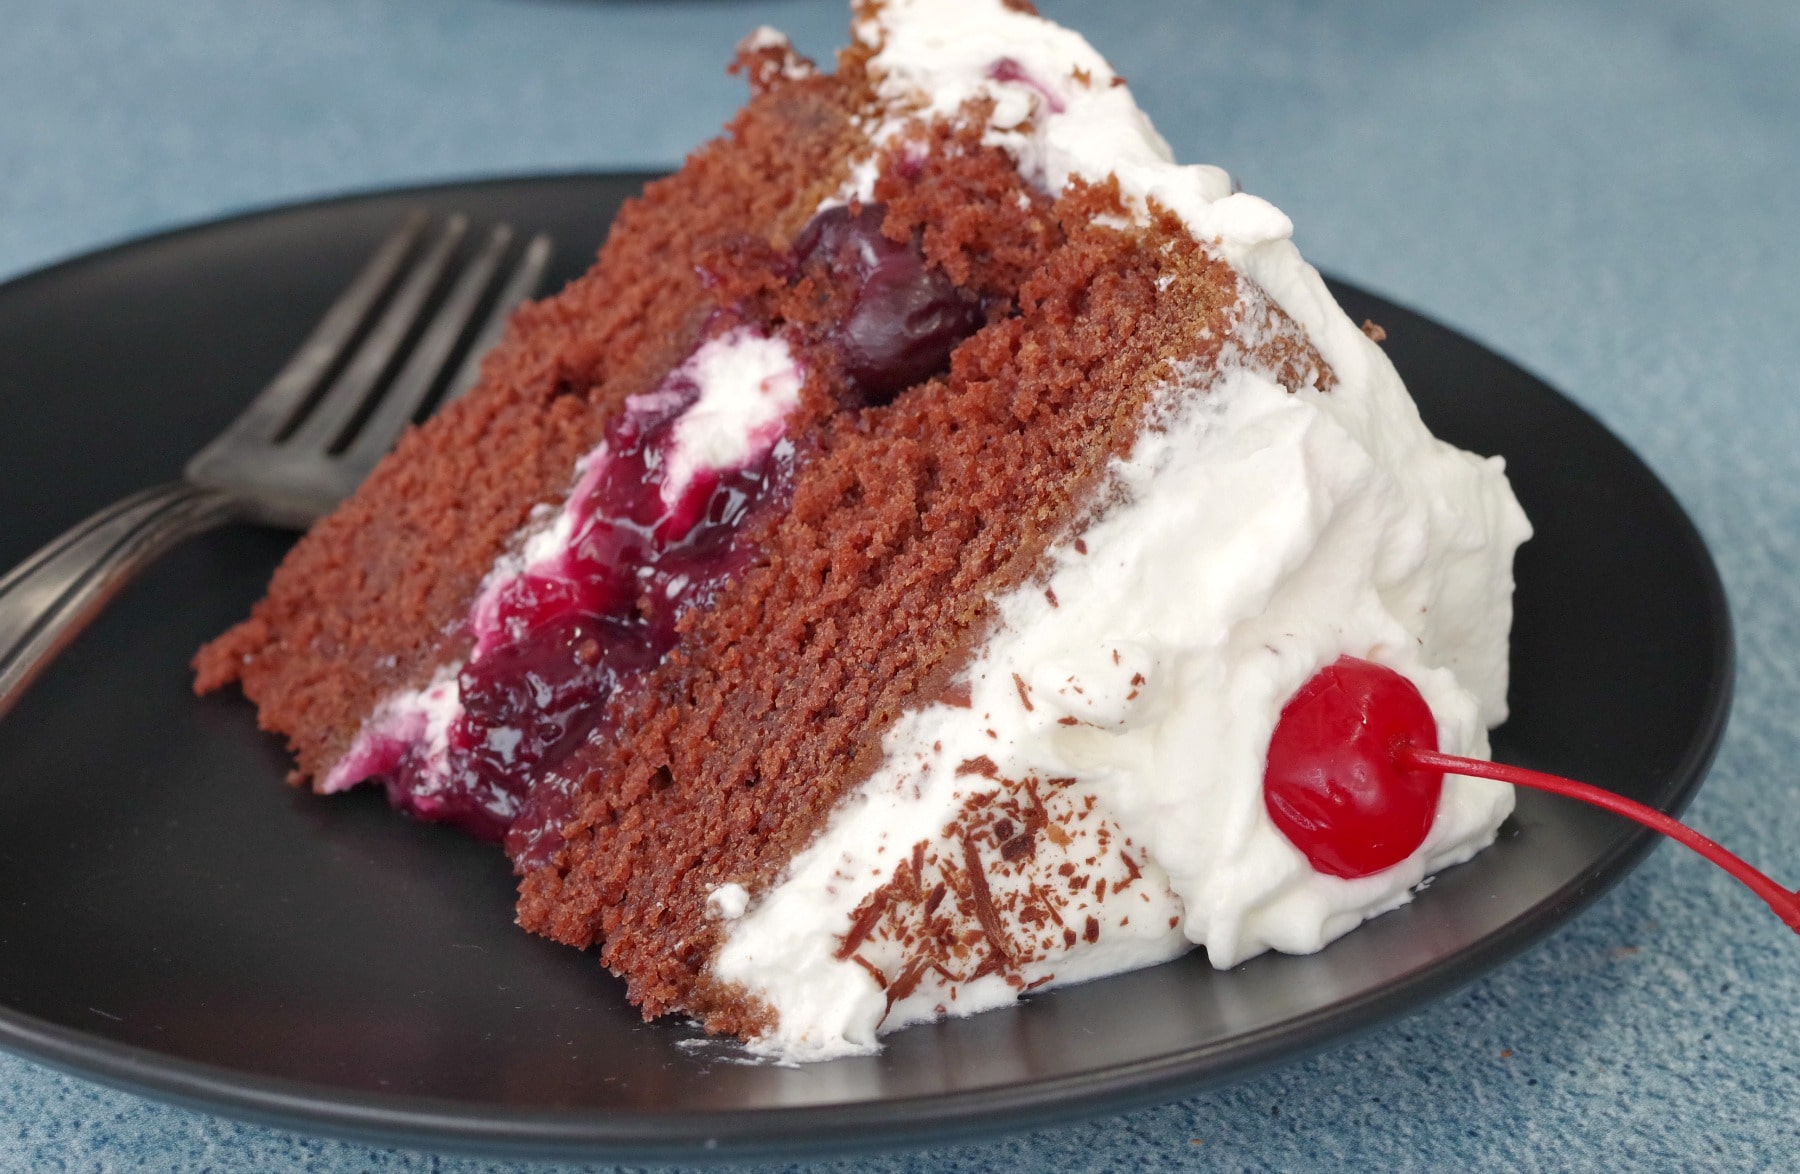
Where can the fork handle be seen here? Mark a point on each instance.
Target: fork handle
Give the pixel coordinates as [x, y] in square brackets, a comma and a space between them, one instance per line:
[51, 596]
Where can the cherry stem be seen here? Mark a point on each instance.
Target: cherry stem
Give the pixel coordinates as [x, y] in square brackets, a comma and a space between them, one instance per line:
[1785, 904]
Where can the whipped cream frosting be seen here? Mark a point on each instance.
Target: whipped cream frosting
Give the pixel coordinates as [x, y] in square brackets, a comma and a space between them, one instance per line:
[1096, 805]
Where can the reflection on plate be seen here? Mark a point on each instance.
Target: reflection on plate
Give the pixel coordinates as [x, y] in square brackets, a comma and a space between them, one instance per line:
[179, 923]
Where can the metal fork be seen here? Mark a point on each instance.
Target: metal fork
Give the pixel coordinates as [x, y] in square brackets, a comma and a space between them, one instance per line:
[303, 445]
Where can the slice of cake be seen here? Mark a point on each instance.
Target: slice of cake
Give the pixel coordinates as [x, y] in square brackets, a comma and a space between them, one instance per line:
[868, 594]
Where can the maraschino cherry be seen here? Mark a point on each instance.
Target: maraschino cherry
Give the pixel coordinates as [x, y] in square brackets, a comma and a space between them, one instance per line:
[1333, 785]
[1354, 774]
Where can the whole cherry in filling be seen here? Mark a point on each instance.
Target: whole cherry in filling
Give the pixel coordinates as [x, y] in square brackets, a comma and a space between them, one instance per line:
[1354, 774]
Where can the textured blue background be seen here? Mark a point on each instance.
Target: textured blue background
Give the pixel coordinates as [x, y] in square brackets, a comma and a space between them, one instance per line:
[1608, 194]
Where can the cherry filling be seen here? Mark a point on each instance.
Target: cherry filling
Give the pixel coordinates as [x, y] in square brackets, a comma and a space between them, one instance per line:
[1354, 773]
[554, 643]
[644, 544]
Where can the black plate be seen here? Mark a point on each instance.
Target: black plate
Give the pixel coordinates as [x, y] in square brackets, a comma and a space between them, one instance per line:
[177, 922]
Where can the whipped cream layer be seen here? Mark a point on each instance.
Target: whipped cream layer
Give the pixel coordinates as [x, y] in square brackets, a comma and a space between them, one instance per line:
[1096, 805]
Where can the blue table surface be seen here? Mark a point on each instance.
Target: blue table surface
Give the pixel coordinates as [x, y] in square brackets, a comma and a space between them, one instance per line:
[1606, 193]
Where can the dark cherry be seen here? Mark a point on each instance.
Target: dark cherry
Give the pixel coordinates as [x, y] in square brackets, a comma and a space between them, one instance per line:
[904, 318]
[1357, 744]
[849, 244]
[1333, 785]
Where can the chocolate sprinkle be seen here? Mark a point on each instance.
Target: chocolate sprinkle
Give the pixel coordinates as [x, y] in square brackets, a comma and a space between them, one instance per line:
[984, 900]
[980, 765]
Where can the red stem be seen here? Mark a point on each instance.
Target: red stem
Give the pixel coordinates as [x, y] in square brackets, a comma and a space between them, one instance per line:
[1785, 904]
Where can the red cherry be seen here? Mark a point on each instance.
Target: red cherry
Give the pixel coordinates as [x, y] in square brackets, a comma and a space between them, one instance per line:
[1333, 784]
[1354, 774]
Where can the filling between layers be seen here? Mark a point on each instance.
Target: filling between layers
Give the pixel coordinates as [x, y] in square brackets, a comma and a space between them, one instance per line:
[590, 601]
[653, 527]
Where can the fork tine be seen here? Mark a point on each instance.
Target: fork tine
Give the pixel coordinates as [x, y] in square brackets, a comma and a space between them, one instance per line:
[523, 283]
[326, 422]
[400, 401]
[274, 408]
[281, 469]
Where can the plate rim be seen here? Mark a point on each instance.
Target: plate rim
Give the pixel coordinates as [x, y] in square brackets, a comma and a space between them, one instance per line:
[442, 1124]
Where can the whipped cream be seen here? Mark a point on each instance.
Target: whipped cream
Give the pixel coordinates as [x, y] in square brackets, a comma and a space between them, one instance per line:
[1096, 805]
